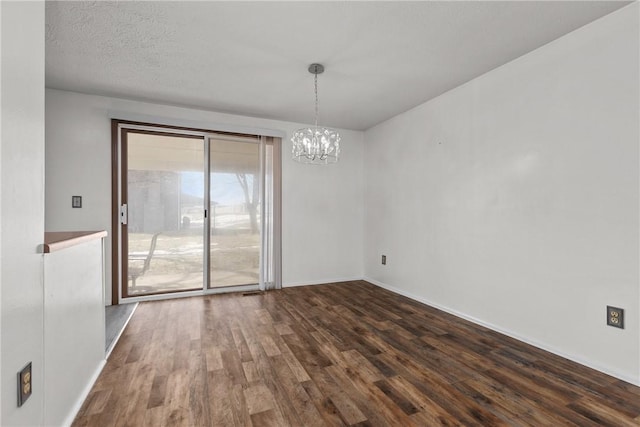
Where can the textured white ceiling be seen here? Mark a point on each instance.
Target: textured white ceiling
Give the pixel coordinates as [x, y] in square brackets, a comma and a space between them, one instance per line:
[251, 58]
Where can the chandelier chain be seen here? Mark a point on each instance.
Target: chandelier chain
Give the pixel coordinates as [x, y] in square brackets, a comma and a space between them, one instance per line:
[316, 93]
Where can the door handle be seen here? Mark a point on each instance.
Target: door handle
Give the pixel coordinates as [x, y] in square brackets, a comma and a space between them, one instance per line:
[124, 214]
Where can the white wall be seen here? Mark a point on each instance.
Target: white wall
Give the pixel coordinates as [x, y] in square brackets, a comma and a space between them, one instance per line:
[322, 209]
[74, 326]
[22, 206]
[513, 199]
[1, 116]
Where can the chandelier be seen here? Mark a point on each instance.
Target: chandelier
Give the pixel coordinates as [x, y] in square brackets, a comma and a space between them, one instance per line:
[316, 145]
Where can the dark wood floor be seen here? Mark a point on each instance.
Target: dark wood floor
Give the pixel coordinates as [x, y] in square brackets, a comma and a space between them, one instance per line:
[338, 354]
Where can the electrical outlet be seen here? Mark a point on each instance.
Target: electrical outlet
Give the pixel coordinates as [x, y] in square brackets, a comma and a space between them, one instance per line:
[24, 384]
[76, 201]
[384, 260]
[615, 317]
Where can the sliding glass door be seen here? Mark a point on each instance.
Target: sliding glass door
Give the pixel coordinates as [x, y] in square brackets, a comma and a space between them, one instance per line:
[195, 211]
[234, 197]
[165, 208]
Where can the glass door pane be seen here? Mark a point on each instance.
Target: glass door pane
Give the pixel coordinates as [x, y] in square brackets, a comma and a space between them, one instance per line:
[234, 191]
[165, 226]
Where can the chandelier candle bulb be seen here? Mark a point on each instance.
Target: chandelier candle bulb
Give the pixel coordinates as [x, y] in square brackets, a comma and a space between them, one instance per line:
[316, 145]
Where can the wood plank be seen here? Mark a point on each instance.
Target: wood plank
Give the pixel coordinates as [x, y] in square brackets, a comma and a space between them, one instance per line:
[397, 398]
[324, 405]
[258, 398]
[429, 412]
[342, 398]
[158, 391]
[293, 391]
[266, 419]
[600, 413]
[220, 403]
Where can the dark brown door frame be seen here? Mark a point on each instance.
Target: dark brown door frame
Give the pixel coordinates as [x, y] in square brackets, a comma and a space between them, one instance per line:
[119, 278]
[115, 213]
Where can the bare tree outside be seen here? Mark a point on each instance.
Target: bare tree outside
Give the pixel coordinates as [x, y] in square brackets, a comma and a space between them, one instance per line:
[251, 197]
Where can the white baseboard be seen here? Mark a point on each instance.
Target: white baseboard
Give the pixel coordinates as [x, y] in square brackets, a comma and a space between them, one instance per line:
[83, 396]
[320, 282]
[543, 346]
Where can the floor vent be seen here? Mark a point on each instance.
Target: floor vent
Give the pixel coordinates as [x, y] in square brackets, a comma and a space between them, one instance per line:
[244, 294]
